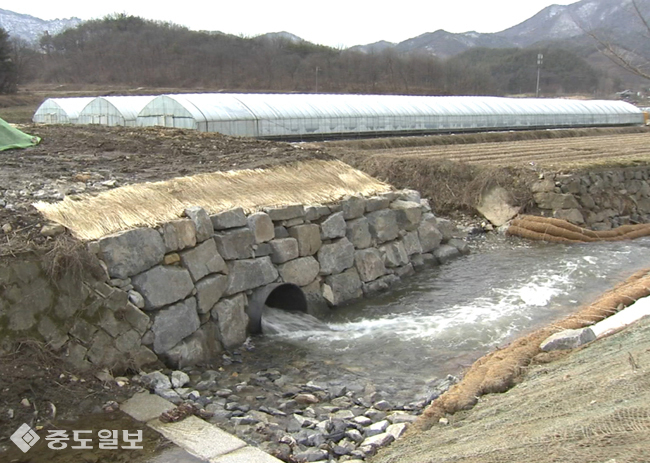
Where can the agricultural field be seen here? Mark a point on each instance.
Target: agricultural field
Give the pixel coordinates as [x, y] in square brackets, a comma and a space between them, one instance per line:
[566, 149]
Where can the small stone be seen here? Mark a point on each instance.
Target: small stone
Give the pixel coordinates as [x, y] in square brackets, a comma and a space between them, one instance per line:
[443, 421]
[171, 259]
[306, 399]
[179, 379]
[25, 403]
[7, 228]
[52, 229]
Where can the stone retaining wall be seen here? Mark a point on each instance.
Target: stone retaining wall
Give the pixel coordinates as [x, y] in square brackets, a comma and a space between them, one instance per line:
[599, 200]
[180, 292]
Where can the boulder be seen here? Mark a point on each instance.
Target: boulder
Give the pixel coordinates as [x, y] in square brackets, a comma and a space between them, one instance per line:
[235, 244]
[377, 203]
[231, 318]
[336, 257]
[556, 201]
[284, 249]
[358, 233]
[174, 323]
[445, 253]
[333, 227]
[408, 214]
[262, 227]
[342, 288]
[203, 260]
[369, 264]
[209, 290]
[234, 218]
[300, 271]
[394, 254]
[411, 243]
[286, 213]
[308, 237]
[353, 207]
[430, 236]
[179, 234]
[201, 221]
[497, 205]
[568, 339]
[163, 285]
[250, 273]
[383, 225]
[131, 252]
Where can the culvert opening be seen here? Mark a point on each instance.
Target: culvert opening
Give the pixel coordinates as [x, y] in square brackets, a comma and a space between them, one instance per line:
[283, 297]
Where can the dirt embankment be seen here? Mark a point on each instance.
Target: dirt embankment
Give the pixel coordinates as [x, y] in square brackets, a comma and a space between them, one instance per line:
[587, 406]
[88, 159]
[452, 170]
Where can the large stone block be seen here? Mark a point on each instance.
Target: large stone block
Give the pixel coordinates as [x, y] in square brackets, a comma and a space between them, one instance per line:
[308, 237]
[199, 347]
[358, 233]
[446, 253]
[333, 227]
[250, 273]
[161, 285]
[286, 213]
[342, 288]
[353, 207]
[556, 201]
[369, 264]
[447, 228]
[284, 249]
[430, 236]
[231, 318]
[179, 234]
[383, 225]
[203, 260]
[262, 227]
[131, 252]
[235, 244]
[336, 257]
[234, 218]
[202, 222]
[174, 323]
[379, 285]
[394, 254]
[300, 272]
[209, 290]
[412, 244]
[377, 203]
[408, 214]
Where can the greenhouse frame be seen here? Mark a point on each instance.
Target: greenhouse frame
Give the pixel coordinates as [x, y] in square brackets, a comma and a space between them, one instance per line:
[113, 110]
[61, 110]
[302, 116]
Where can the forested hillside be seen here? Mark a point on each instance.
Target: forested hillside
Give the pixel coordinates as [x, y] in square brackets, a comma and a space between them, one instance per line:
[129, 50]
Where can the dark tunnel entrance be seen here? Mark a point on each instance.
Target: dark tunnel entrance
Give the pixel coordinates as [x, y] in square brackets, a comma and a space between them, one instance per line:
[285, 296]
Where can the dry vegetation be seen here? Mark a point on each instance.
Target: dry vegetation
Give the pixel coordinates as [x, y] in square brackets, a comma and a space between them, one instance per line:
[452, 170]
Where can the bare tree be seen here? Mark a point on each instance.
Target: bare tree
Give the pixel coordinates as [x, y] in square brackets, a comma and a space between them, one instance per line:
[630, 60]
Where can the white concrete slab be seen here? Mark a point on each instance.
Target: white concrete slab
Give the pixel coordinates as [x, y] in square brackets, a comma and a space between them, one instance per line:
[198, 437]
[146, 407]
[246, 455]
[625, 317]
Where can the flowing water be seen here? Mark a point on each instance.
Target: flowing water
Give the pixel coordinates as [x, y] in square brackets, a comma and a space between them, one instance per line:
[441, 320]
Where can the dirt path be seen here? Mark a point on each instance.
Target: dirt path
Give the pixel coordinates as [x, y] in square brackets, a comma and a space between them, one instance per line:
[590, 406]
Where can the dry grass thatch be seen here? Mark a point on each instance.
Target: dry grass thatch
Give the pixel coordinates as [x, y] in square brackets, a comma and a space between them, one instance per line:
[498, 371]
[150, 204]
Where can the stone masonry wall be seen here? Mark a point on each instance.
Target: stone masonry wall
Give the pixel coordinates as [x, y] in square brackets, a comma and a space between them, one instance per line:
[596, 199]
[179, 292]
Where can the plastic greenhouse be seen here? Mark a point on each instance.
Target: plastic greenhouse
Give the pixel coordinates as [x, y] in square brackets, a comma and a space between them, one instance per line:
[60, 110]
[298, 116]
[113, 110]
[304, 115]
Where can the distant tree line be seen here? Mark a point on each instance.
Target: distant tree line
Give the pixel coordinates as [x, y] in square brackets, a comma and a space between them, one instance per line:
[128, 50]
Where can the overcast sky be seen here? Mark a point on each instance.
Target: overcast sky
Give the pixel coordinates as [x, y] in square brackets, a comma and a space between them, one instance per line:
[337, 23]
